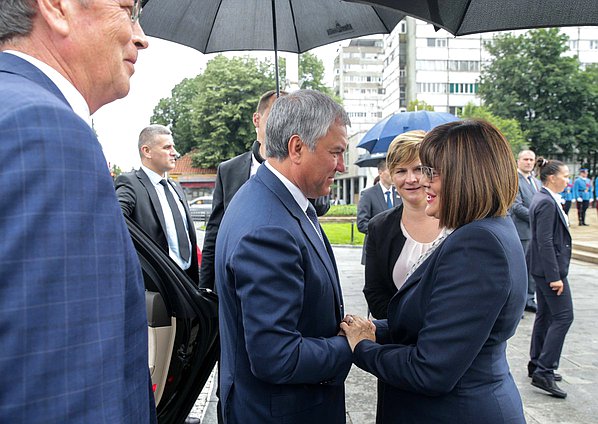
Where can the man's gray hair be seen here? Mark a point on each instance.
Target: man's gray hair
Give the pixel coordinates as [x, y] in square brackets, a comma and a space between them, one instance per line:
[306, 113]
[148, 134]
[16, 18]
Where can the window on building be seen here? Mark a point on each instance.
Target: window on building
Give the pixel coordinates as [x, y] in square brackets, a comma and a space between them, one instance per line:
[593, 44]
[573, 44]
[403, 27]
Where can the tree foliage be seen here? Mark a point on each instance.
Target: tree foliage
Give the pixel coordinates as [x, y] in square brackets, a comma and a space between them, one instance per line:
[211, 114]
[530, 80]
[509, 127]
[415, 105]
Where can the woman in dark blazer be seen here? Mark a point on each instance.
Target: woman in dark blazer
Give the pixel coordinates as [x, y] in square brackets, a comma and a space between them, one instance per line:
[550, 254]
[441, 354]
[398, 236]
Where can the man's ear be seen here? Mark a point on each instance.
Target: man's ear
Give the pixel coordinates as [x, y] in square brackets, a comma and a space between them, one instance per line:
[296, 148]
[256, 120]
[57, 14]
[145, 151]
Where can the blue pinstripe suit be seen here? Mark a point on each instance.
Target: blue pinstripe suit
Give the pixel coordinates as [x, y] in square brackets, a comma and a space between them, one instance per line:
[73, 327]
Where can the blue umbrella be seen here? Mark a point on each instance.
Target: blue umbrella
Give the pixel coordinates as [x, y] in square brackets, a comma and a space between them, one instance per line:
[378, 138]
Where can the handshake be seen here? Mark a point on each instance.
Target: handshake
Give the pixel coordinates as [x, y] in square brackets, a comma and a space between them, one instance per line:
[356, 329]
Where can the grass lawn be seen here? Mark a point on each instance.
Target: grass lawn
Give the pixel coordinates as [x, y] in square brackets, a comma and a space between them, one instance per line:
[340, 233]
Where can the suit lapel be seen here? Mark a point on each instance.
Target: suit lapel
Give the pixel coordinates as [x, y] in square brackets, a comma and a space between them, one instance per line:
[558, 212]
[13, 64]
[153, 195]
[323, 249]
[183, 199]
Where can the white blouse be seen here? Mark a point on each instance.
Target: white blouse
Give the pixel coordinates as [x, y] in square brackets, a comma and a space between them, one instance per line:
[411, 252]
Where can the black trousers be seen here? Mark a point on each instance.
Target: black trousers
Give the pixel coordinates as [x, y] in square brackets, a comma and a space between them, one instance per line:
[567, 206]
[581, 211]
[531, 285]
[553, 319]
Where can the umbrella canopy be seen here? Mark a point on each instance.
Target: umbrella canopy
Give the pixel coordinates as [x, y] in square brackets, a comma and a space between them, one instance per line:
[378, 138]
[461, 17]
[295, 26]
[370, 160]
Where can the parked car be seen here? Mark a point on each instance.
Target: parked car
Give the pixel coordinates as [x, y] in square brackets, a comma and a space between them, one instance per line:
[201, 208]
[183, 330]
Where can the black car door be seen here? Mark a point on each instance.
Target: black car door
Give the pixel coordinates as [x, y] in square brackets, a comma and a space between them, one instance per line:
[183, 330]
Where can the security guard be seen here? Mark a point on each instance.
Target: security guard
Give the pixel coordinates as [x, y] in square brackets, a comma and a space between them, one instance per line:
[583, 192]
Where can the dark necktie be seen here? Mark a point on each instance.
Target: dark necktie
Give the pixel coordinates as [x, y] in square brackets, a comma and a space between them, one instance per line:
[181, 233]
[311, 214]
[388, 199]
[531, 181]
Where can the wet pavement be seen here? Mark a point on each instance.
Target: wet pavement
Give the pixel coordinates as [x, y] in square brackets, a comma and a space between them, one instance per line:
[579, 361]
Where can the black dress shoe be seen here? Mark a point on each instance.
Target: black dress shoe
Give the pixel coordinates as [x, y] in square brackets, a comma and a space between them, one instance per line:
[531, 306]
[531, 368]
[549, 385]
[192, 420]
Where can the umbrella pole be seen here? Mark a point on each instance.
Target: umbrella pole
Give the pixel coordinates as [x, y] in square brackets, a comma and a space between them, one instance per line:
[275, 47]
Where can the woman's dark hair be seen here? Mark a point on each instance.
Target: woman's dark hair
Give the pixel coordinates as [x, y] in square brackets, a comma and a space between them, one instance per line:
[547, 167]
[476, 167]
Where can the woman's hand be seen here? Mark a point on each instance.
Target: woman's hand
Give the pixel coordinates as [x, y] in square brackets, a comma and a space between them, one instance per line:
[357, 329]
[557, 286]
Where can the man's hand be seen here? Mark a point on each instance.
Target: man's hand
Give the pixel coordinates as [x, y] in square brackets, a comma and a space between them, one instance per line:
[557, 286]
[357, 329]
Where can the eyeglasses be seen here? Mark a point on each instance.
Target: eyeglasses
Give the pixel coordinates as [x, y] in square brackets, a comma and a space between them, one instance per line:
[136, 11]
[429, 173]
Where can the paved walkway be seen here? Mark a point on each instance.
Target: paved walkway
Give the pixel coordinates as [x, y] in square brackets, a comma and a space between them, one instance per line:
[579, 363]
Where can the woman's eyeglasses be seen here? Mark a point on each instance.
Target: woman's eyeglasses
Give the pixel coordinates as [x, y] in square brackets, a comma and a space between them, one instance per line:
[429, 172]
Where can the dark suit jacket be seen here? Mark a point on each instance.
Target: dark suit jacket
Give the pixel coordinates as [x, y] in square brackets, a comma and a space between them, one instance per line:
[384, 245]
[230, 176]
[550, 248]
[73, 338]
[280, 305]
[441, 353]
[371, 203]
[139, 200]
[520, 208]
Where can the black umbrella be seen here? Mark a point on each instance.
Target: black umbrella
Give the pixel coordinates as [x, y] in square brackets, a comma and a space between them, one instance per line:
[461, 17]
[295, 26]
[369, 160]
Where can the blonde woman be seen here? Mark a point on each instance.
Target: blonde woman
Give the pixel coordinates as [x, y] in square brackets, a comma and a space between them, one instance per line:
[399, 236]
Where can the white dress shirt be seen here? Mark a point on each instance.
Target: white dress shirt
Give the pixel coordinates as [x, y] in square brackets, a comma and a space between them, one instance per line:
[297, 194]
[171, 236]
[68, 90]
[559, 201]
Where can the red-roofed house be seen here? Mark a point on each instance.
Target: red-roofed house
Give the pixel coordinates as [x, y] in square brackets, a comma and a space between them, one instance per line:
[196, 181]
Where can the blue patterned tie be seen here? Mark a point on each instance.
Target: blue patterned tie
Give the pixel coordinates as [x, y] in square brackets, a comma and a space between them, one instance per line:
[311, 214]
[388, 199]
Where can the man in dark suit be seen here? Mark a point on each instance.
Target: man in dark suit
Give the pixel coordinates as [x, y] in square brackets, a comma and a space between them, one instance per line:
[528, 187]
[376, 199]
[73, 344]
[230, 176]
[280, 300]
[158, 203]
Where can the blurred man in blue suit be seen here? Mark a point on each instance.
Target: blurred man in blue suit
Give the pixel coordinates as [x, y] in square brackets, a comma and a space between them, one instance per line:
[281, 304]
[73, 338]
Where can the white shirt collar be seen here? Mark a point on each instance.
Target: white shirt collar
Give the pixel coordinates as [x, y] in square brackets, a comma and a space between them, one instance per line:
[154, 177]
[68, 90]
[293, 189]
[558, 199]
[384, 189]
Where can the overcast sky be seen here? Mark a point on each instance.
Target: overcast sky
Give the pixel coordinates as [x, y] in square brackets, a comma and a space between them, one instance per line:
[158, 70]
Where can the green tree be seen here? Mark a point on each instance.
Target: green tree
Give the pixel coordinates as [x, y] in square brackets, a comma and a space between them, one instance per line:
[509, 127]
[212, 112]
[311, 73]
[531, 81]
[415, 105]
[587, 130]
